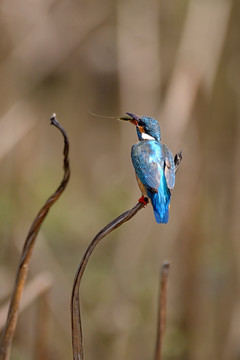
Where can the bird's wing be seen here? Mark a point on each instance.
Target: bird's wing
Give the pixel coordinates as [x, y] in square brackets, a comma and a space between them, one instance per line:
[148, 163]
[169, 167]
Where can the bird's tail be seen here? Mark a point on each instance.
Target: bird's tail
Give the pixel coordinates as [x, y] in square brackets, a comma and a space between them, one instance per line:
[160, 202]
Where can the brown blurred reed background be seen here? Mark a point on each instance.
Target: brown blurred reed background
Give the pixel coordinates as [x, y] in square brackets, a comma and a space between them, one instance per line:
[178, 61]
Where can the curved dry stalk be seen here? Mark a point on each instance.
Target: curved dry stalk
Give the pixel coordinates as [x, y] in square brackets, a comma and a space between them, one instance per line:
[77, 337]
[11, 322]
[162, 299]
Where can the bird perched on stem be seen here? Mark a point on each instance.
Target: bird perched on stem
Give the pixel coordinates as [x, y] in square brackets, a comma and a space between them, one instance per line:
[154, 165]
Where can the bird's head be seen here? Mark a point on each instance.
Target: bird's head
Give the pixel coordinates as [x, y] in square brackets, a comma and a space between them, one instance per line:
[147, 128]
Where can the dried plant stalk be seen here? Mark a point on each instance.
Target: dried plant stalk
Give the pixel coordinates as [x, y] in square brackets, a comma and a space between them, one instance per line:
[34, 289]
[11, 322]
[77, 338]
[161, 321]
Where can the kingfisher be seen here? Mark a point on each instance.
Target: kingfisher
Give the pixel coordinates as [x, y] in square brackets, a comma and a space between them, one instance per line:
[154, 165]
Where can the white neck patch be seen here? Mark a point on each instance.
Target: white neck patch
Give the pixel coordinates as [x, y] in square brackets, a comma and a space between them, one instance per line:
[147, 137]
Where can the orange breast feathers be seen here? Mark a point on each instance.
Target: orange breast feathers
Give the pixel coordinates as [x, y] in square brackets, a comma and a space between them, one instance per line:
[141, 186]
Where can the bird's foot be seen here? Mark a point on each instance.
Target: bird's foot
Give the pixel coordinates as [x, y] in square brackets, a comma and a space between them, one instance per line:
[143, 200]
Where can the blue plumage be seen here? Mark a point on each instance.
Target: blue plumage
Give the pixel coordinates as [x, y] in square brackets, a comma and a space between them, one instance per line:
[149, 163]
[150, 126]
[154, 165]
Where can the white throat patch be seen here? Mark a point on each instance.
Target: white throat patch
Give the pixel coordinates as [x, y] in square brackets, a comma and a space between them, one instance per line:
[147, 137]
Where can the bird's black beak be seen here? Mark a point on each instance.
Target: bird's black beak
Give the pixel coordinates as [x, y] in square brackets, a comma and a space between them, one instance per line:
[134, 119]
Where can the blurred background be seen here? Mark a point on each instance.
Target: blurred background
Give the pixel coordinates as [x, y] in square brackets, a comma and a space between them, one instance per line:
[177, 61]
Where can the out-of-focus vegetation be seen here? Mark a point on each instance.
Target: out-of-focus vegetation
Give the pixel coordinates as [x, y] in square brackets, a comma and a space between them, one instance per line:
[177, 61]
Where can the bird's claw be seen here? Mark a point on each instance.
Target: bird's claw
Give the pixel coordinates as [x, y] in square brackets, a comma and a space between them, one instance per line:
[143, 200]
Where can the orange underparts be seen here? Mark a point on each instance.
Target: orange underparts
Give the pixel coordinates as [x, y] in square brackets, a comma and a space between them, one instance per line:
[143, 200]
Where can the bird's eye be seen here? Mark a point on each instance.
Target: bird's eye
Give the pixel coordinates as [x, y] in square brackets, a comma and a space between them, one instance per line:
[140, 123]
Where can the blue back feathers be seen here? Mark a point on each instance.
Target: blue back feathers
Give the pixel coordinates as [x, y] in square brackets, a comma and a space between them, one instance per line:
[148, 159]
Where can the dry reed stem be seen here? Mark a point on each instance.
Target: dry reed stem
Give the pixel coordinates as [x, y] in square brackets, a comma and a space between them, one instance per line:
[161, 321]
[34, 289]
[11, 322]
[77, 338]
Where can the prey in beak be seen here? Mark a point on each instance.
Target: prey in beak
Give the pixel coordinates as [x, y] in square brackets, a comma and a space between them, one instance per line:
[134, 119]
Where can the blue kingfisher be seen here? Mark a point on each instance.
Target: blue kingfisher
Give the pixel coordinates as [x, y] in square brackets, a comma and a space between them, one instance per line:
[154, 165]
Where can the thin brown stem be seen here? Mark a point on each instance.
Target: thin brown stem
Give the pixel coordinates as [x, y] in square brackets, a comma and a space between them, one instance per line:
[161, 321]
[77, 337]
[12, 317]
